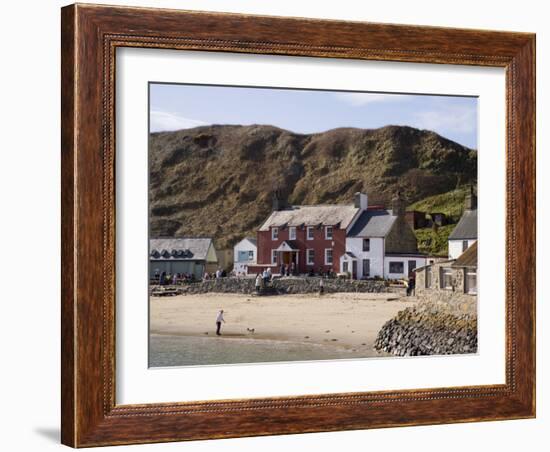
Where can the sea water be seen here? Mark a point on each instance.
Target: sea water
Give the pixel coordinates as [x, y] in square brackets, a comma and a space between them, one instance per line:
[167, 351]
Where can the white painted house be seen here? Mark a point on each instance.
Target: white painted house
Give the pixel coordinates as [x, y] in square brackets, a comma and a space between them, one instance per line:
[464, 234]
[380, 243]
[244, 254]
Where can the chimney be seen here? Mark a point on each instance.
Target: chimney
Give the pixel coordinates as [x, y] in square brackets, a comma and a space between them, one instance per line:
[277, 202]
[361, 201]
[470, 202]
[398, 205]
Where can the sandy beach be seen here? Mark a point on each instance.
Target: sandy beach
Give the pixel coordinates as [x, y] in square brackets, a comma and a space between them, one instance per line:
[342, 323]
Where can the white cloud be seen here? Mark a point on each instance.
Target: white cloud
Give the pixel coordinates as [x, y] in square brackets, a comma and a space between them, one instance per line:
[166, 121]
[360, 99]
[459, 119]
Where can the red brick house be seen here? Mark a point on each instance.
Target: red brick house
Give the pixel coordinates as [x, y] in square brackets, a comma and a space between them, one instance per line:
[313, 237]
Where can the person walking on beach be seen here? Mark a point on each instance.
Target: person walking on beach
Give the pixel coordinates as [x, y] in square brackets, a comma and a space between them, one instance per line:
[219, 321]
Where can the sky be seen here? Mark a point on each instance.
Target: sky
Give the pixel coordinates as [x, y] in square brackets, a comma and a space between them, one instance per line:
[175, 106]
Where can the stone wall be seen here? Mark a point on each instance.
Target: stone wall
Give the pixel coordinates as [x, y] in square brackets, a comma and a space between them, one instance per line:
[285, 286]
[453, 298]
[428, 329]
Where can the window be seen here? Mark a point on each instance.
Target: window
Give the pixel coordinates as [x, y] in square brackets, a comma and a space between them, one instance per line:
[328, 256]
[292, 233]
[244, 256]
[274, 233]
[345, 267]
[446, 278]
[273, 256]
[412, 266]
[328, 232]
[366, 244]
[396, 267]
[428, 277]
[470, 281]
[464, 245]
[310, 257]
[366, 267]
[310, 232]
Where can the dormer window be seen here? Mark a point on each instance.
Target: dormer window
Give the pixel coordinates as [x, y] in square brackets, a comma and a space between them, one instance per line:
[274, 233]
[328, 232]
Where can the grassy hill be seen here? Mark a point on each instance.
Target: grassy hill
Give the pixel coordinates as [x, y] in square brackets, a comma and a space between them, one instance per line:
[450, 203]
[218, 180]
[434, 241]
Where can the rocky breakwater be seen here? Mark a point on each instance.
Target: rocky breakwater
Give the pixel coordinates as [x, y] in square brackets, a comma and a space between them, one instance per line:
[428, 329]
[281, 286]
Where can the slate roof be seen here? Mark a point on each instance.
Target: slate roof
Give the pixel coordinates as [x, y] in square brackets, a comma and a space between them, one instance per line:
[287, 245]
[252, 240]
[327, 215]
[183, 249]
[468, 258]
[373, 223]
[466, 227]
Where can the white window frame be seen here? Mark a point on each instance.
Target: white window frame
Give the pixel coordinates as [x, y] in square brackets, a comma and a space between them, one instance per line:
[309, 228]
[331, 229]
[366, 240]
[442, 272]
[292, 233]
[465, 245]
[273, 257]
[250, 255]
[310, 253]
[331, 256]
[274, 233]
[469, 272]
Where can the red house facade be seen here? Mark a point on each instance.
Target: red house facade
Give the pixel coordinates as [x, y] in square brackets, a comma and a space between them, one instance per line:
[313, 238]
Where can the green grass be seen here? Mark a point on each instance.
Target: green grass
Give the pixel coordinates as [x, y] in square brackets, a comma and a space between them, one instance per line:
[450, 203]
[434, 241]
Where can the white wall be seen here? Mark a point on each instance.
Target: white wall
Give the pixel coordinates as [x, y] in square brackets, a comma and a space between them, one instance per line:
[30, 117]
[376, 255]
[243, 245]
[420, 261]
[455, 247]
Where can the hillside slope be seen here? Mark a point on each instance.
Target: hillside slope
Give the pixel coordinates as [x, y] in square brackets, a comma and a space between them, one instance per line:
[218, 180]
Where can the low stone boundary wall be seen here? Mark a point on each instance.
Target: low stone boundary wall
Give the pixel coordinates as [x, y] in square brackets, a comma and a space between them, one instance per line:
[285, 286]
[428, 329]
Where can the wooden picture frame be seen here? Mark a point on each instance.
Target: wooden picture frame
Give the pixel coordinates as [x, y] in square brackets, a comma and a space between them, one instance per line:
[90, 36]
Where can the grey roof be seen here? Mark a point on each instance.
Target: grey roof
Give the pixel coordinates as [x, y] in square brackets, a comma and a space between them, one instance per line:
[328, 214]
[373, 223]
[468, 258]
[184, 249]
[466, 227]
[252, 240]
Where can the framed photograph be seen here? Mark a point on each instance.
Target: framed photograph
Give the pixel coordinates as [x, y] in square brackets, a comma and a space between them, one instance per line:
[282, 225]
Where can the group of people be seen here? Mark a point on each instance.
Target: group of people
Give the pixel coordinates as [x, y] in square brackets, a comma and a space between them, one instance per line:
[288, 269]
[219, 273]
[167, 278]
[322, 273]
